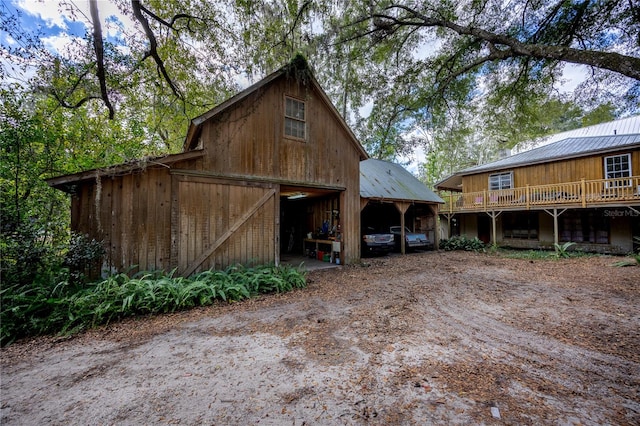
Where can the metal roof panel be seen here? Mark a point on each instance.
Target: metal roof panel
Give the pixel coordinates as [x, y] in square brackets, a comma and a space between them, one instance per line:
[384, 180]
[566, 148]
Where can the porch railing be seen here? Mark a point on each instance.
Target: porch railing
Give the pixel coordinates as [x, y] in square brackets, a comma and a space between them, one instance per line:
[585, 193]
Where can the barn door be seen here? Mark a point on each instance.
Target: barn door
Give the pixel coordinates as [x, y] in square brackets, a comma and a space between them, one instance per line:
[219, 223]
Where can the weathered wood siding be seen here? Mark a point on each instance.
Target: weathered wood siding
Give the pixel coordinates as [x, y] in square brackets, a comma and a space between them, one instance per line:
[133, 221]
[248, 140]
[572, 170]
[223, 208]
[217, 223]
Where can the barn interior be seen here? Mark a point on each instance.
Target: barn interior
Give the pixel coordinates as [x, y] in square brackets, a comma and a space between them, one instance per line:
[309, 222]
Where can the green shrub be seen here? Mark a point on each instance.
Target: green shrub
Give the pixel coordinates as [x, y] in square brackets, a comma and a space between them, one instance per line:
[462, 243]
[68, 309]
[83, 256]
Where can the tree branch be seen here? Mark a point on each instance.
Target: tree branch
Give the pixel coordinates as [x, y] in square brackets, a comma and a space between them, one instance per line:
[628, 66]
[173, 20]
[153, 47]
[99, 49]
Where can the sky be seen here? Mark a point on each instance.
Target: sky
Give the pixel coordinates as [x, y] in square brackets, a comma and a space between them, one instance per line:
[56, 23]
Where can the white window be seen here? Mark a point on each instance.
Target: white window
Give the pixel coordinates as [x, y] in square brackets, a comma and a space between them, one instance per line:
[618, 167]
[501, 181]
[294, 118]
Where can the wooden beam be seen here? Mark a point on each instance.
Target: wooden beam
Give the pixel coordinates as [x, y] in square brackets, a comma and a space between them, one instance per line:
[436, 224]
[402, 208]
[259, 179]
[276, 238]
[493, 215]
[233, 228]
[554, 213]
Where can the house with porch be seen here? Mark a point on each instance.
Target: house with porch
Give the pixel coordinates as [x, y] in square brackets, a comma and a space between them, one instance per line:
[584, 188]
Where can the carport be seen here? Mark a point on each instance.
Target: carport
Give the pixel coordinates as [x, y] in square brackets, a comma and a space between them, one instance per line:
[390, 195]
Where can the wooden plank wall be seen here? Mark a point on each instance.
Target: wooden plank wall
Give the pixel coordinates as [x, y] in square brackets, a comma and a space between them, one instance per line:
[156, 220]
[208, 208]
[134, 219]
[320, 210]
[248, 139]
[560, 171]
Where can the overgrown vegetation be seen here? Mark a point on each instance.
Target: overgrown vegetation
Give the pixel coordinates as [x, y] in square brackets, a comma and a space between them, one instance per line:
[68, 308]
[461, 242]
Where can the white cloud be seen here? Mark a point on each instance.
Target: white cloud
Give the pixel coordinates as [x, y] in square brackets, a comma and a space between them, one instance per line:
[60, 43]
[8, 40]
[49, 11]
[56, 13]
[572, 76]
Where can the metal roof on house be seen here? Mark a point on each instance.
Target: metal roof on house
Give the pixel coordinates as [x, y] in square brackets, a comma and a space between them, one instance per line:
[623, 126]
[383, 180]
[567, 148]
[573, 143]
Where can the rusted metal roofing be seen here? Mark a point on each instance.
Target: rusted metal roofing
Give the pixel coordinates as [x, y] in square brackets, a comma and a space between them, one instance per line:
[567, 148]
[382, 180]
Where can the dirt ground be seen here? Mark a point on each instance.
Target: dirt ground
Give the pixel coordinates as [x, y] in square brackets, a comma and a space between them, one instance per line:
[429, 338]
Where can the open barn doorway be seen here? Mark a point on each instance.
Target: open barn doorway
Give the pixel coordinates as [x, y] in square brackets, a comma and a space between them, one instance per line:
[309, 224]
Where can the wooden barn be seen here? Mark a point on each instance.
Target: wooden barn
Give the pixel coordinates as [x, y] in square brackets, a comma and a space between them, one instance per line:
[257, 174]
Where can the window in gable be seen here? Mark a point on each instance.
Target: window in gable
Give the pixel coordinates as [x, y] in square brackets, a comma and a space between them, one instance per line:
[501, 181]
[617, 167]
[294, 118]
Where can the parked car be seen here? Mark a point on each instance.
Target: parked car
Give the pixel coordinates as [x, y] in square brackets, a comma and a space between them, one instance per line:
[375, 242]
[412, 240]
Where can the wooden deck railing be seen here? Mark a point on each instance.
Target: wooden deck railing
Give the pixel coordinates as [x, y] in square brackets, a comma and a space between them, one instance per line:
[585, 193]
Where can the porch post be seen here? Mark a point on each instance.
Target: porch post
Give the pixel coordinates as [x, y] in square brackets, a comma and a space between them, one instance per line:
[555, 226]
[555, 215]
[493, 215]
[493, 225]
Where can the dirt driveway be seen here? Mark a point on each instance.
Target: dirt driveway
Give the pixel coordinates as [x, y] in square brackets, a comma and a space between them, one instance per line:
[431, 338]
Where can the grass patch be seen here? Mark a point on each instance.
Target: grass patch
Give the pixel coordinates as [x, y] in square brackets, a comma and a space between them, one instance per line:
[540, 254]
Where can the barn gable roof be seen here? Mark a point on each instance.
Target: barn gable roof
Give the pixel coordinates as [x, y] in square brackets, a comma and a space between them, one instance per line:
[382, 180]
[298, 66]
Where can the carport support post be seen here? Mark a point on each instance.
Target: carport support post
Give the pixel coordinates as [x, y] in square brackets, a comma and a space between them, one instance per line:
[402, 208]
[436, 224]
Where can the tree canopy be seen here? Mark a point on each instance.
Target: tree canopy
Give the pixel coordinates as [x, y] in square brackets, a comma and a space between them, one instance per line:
[404, 74]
